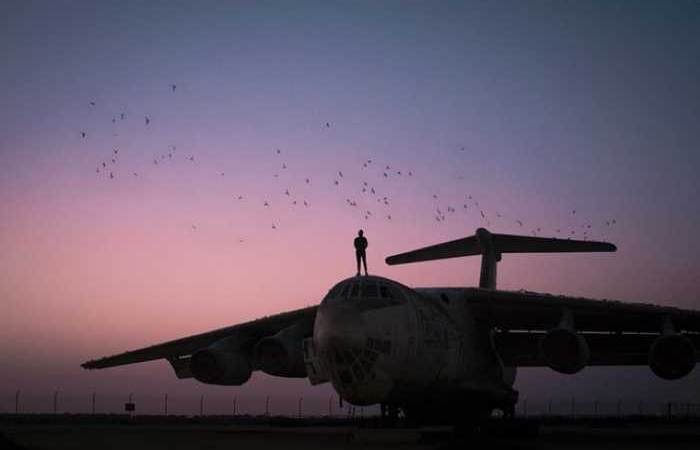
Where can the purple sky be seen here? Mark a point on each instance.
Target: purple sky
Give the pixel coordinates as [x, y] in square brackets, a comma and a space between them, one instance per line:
[559, 106]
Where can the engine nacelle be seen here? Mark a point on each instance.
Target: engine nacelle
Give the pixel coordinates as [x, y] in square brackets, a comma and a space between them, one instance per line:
[672, 356]
[221, 363]
[281, 354]
[564, 350]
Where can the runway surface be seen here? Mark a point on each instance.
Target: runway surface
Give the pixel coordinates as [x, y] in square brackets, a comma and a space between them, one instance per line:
[116, 432]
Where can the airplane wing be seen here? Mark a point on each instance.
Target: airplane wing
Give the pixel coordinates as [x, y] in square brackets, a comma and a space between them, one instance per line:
[248, 333]
[617, 333]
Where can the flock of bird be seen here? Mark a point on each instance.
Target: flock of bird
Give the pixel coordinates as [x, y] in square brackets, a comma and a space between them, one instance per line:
[369, 192]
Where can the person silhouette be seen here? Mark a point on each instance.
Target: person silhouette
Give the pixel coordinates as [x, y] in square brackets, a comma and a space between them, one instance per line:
[360, 247]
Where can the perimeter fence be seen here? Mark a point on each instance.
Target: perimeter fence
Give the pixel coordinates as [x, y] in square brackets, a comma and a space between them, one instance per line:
[58, 402]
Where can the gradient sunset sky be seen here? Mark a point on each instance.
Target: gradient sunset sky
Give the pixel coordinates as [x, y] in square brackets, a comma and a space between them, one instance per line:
[522, 111]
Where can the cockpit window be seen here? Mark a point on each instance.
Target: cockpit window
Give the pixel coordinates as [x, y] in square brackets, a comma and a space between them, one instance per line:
[369, 289]
[385, 292]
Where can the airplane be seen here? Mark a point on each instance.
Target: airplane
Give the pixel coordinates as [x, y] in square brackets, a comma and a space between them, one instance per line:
[437, 354]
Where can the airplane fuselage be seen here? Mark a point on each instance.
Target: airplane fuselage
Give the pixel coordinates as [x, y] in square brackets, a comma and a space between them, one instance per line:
[382, 342]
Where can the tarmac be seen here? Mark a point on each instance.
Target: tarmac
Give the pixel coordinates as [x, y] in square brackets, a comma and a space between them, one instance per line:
[108, 432]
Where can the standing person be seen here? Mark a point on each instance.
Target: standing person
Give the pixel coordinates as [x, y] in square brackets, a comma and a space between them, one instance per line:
[360, 247]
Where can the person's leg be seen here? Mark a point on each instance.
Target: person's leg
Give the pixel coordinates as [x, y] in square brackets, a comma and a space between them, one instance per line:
[364, 262]
[357, 257]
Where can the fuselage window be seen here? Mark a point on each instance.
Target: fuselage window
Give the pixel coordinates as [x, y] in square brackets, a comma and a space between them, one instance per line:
[369, 290]
[355, 291]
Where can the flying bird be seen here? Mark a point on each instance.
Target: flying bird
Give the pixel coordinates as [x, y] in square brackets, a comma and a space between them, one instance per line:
[146, 120]
[191, 158]
[111, 175]
[173, 87]
[92, 103]
[83, 134]
[122, 116]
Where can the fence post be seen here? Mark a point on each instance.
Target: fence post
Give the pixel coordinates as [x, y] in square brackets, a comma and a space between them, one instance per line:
[330, 406]
[235, 401]
[165, 406]
[55, 402]
[267, 405]
[93, 402]
[201, 405]
[301, 399]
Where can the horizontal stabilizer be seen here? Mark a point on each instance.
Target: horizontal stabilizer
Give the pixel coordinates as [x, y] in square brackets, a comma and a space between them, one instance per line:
[491, 246]
[502, 243]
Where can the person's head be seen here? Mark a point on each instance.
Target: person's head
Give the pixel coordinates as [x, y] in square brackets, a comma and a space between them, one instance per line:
[360, 233]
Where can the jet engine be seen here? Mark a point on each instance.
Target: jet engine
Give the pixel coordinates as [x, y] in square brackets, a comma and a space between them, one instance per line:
[221, 363]
[564, 350]
[281, 354]
[672, 356]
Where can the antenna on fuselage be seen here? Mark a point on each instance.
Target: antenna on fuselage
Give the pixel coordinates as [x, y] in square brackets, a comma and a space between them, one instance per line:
[492, 246]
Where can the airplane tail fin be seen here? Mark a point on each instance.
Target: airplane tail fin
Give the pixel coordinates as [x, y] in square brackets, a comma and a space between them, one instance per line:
[492, 246]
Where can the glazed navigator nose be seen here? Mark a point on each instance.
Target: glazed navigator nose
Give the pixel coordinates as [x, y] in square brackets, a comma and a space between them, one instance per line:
[339, 325]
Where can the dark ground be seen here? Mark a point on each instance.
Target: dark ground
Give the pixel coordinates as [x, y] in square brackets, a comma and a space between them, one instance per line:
[107, 432]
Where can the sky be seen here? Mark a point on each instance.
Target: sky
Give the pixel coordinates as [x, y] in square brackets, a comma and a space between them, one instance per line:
[481, 114]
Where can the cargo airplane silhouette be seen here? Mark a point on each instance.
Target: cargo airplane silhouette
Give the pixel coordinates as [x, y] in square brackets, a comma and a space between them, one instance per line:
[438, 353]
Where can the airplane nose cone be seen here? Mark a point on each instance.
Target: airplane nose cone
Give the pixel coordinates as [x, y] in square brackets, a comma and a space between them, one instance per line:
[339, 326]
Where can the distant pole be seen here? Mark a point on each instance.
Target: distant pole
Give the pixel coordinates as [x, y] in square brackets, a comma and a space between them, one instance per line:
[55, 402]
[267, 405]
[301, 400]
[17, 402]
[165, 405]
[93, 402]
[201, 405]
[235, 405]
